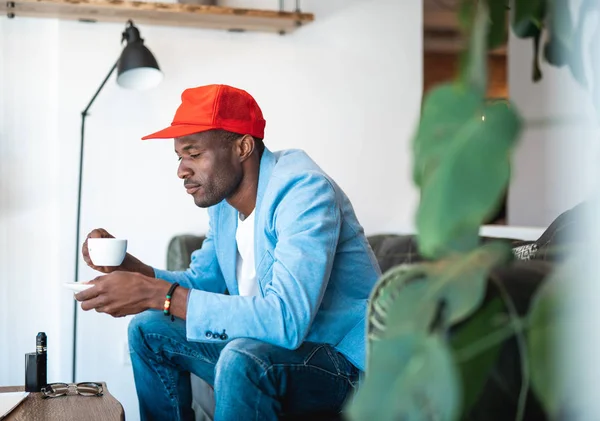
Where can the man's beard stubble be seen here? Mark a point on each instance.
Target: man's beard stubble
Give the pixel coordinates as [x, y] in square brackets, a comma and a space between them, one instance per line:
[222, 189]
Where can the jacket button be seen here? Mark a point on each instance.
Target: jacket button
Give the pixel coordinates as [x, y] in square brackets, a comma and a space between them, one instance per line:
[208, 334]
[215, 335]
[224, 336]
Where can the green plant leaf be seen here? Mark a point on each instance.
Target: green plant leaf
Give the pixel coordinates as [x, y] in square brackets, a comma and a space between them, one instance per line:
[557, 49]
[445, 110]
[474, 371]
[465, 15]
[407, 299]
[565, 41]
[527, 17]
[560, 23]
[527, 21]
[411, 378]
[546, 323]
[396, 299]
[459, 192]
[537, 71]
[497, 33]
[461, 281]
[555, 53]
[474, 61]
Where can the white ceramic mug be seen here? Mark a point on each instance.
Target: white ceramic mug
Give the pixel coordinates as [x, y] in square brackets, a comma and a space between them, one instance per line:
[107, 251]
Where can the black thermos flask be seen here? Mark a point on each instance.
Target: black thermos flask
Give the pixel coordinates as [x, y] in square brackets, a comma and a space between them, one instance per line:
[36, 365]
[41, 349]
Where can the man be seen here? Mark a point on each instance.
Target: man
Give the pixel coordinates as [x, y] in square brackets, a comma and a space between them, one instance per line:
[286, 247]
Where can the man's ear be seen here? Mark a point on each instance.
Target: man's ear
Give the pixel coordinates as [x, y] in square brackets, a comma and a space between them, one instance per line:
[245, 147]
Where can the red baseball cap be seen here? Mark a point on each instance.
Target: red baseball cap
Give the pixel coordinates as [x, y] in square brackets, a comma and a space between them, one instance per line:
[214, 107]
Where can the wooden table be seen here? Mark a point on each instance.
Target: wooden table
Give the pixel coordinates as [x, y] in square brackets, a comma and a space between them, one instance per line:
[71, 407]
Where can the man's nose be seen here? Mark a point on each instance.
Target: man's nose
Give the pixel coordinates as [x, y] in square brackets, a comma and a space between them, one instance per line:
[183, 171]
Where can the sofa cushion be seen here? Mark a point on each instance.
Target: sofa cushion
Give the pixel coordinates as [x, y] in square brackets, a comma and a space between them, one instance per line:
[564, 233]
[391, 250]
[180, 249]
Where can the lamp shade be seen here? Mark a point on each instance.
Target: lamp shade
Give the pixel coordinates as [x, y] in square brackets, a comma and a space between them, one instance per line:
[137, 68]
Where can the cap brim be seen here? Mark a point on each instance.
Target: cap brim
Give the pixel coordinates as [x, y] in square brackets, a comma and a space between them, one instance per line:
[178, 131]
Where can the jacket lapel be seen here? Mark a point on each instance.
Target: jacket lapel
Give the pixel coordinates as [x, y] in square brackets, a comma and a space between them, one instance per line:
[228, 221]
[267, 163]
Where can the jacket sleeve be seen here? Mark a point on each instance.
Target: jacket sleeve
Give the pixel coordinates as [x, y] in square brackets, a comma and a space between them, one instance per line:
[307, 221]
[204, 272]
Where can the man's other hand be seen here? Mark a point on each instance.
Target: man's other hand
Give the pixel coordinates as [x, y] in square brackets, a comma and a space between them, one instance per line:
[130, 263]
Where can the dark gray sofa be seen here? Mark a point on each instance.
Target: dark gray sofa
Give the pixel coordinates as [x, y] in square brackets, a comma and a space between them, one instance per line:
[498, 399]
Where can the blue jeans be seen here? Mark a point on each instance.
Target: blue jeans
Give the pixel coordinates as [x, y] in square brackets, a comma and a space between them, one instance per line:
[252, 380]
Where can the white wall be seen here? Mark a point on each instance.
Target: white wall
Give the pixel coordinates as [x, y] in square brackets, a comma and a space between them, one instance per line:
[550, 161]
[345, 88]
[32, 264]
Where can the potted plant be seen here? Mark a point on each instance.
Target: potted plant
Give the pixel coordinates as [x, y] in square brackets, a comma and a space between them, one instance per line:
[435, 328]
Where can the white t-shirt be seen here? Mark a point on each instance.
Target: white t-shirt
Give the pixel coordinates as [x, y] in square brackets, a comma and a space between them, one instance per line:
[245, 270]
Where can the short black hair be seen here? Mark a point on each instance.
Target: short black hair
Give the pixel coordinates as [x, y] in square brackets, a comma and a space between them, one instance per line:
[227, 137]
[259, 144]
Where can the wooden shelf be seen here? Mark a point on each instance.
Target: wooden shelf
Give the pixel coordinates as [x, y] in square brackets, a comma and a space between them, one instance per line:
[150, 13]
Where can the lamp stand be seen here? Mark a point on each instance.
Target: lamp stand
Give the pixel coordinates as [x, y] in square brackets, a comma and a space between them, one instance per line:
[84, 114]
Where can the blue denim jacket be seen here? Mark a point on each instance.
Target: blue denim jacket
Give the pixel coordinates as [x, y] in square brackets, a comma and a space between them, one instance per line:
[314, 266]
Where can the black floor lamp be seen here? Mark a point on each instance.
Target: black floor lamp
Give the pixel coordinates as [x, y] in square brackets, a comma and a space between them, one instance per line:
[136, 69]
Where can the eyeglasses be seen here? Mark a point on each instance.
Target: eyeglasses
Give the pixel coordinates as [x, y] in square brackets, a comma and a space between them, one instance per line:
[54, 390]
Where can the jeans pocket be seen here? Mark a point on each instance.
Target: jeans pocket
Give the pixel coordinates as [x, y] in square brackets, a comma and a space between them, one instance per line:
[327, 358]
[344, 367]
[321, 358]
[348, 369]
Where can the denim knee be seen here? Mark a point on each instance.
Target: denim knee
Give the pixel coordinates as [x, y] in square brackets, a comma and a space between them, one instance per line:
[145, 323]
[242, 355]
